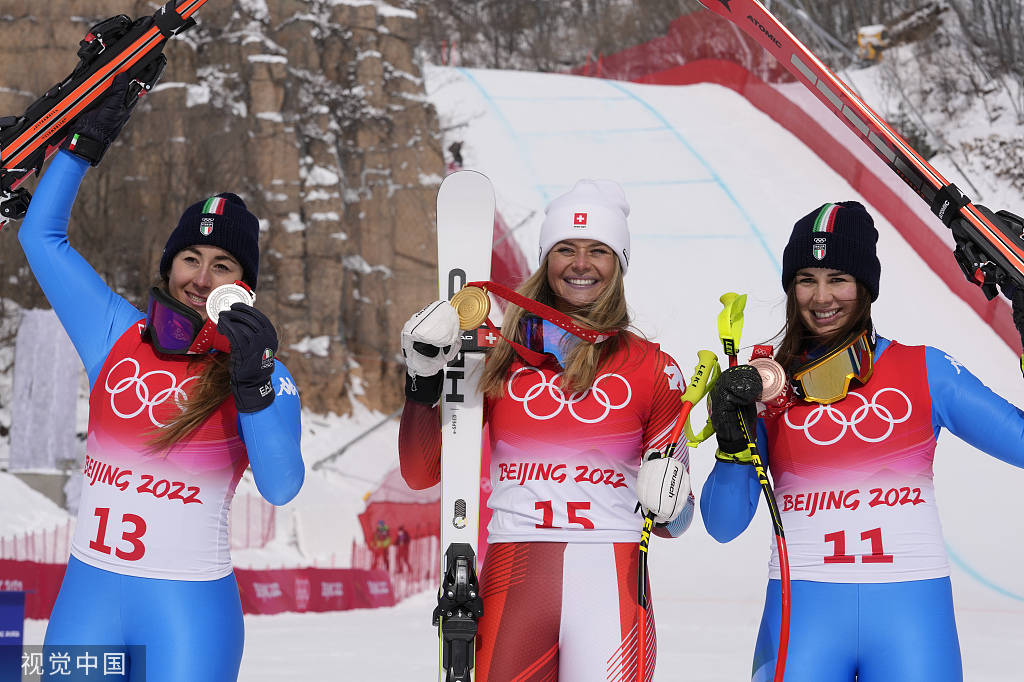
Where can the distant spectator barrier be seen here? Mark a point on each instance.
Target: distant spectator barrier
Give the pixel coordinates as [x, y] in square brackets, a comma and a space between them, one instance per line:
[261, 591]
[252, 522]
[408, 577]
[34, 563]
[313, 589]
[45, 546]
[39, 581]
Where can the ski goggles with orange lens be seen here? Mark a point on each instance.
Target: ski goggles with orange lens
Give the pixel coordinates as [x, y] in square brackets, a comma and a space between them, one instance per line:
[826, 379]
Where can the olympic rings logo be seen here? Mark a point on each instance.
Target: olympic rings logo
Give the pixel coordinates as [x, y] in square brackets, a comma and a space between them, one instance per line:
[600, 395]
[143, 391]
[859, 415]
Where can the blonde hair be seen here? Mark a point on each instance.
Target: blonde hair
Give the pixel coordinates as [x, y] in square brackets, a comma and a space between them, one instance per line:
[607, 312]
[209, 392]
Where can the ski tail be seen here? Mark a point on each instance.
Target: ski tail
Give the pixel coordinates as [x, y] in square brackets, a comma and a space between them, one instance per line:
[111, 47]
[990, 252]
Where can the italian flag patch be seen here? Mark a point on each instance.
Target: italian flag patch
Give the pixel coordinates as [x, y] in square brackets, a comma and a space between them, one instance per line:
[823, 224]
[214, 205]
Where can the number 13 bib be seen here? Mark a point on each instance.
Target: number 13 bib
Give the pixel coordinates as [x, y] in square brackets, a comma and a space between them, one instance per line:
[155, 514]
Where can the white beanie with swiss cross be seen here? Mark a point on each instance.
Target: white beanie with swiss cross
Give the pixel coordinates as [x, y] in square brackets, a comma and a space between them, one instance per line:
[592, 209]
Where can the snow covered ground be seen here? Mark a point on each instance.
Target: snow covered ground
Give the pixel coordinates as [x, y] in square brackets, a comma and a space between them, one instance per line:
[715, 187]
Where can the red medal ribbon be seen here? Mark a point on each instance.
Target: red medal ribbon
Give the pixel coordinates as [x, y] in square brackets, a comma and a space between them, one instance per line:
[543, 311]
[208, 339]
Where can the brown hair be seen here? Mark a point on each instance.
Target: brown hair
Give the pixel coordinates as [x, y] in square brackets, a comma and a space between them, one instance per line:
[209, 392]
[607, 312]
[797, 338]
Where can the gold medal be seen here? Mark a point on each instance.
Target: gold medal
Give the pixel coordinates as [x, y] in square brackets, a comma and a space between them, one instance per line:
[472, 305]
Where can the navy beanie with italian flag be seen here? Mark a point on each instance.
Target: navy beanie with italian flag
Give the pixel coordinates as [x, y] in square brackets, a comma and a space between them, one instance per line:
[224, 221]
[840, 236]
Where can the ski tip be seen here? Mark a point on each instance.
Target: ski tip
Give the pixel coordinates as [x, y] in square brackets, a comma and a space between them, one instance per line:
[466, 181]
[465, 175]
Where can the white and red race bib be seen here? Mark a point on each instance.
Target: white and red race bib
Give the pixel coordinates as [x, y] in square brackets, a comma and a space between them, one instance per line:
[853, 480]
[155, 514]
[564, 465]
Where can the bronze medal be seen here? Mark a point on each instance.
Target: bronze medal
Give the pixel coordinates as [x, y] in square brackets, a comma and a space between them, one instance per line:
[773, 377]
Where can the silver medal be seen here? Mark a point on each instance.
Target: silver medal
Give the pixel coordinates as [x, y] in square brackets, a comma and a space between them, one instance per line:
[224, 296]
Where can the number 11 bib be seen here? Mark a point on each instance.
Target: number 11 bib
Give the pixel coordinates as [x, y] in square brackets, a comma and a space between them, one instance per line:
[853, 480]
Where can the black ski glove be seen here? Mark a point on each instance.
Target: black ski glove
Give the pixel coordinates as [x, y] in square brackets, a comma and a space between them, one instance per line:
[253, 345]
[91, 134]
[732, 399]
[424, 390]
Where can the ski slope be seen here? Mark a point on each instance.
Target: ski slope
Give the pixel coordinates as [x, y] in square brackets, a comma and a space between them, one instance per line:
[715, 187]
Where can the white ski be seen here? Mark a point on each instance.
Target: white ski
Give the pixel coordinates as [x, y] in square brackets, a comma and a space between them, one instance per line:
[465, 224]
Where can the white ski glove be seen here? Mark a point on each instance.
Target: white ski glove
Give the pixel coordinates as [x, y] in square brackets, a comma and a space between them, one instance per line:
[430, 339]
[663, 487]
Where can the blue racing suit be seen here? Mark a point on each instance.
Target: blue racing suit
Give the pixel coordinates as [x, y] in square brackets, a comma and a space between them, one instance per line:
[150, 561]
[871, 596]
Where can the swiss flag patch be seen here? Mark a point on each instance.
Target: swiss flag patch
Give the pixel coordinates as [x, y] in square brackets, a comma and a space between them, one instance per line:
[486, 338]
[579, 219]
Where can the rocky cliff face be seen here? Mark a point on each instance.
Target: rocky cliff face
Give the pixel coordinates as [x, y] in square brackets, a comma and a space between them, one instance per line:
[313, 111]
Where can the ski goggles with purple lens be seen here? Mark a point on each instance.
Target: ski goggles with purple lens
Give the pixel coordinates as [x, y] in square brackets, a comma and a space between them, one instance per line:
[543, 336]
[175, 329]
